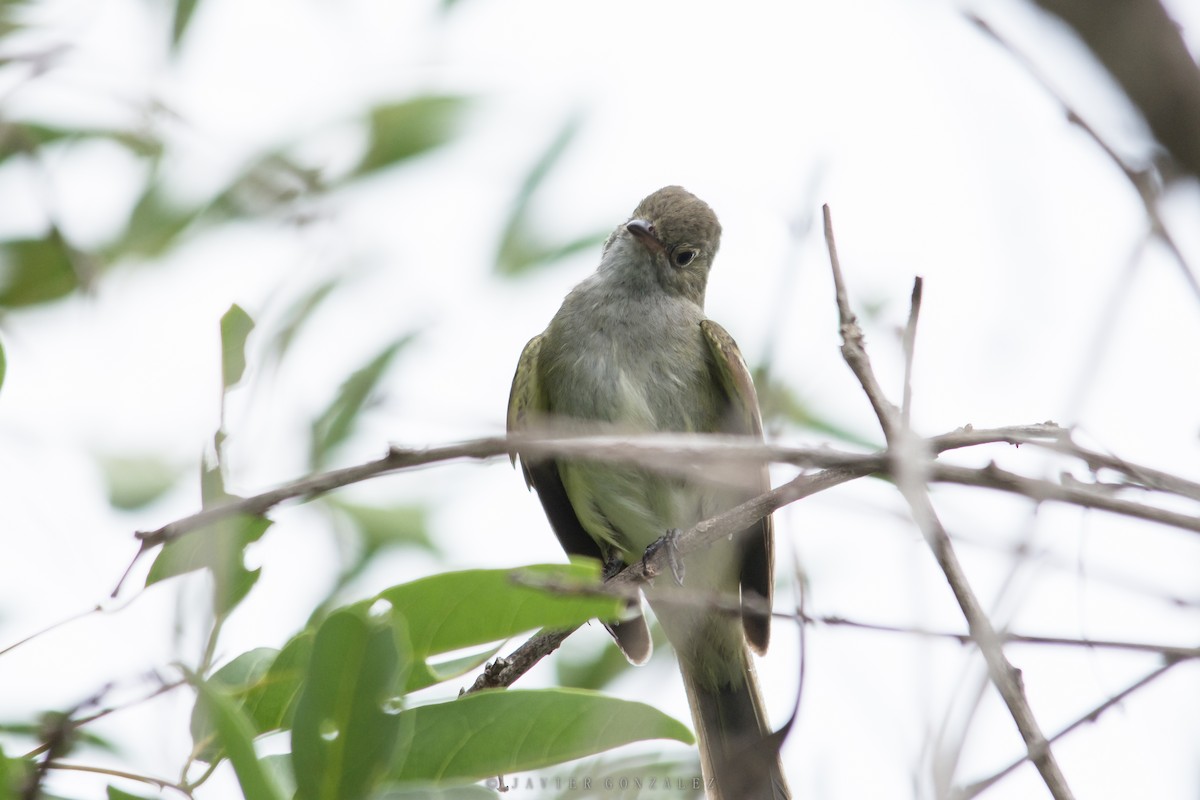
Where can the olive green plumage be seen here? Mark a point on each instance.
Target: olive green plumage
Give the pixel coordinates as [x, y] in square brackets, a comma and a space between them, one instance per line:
[631, 350]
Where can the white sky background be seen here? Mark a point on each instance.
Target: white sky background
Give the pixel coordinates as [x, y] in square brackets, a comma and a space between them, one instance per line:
[939, 155]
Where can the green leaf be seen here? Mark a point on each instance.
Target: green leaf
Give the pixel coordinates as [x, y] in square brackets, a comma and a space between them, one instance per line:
[219, 548]
[268, 698]
[271, 702]
[402, 130]
[118, 794]
[136, 481]
[235, 679]
[337, 421]
[442, 671]
[236, 738]
[498, 732]
[235, 327]
[521, 248]
[456, 610]
[463, 609]
[36, 271]
[279, 766]
[179, 23]
[345, 730]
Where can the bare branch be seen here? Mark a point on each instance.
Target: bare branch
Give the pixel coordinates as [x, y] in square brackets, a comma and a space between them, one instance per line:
[910, 463]
[503, 672]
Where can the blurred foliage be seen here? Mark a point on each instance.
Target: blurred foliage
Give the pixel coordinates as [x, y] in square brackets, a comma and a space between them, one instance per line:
[35, 730]
[297, 315]
[235, 327]
[180, 19]
[335, 424]
[782, 405]
[522, 247]
[135, 481]
[400, 131]
[219, 549]
[236, 735]
[14, 774]
[36, 271]
[368, 531]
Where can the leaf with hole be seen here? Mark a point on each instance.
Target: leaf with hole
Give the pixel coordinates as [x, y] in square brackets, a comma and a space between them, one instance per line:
[220, 548]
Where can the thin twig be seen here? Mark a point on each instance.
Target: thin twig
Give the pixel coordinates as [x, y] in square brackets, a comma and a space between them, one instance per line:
[976, 788]
[503, 672]
[993, 477]
[910, 341]
[909, 462]
[161, 783]
[1145, 181]
[1165, 650]
[51, 627]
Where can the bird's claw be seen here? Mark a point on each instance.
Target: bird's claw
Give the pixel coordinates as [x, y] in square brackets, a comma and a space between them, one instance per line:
[668, 540]
[612, 567]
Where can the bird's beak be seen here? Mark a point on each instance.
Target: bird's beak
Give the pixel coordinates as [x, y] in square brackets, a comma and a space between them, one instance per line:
[643, 231]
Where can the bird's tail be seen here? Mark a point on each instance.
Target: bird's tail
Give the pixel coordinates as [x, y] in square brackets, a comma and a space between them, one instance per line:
[739, 756]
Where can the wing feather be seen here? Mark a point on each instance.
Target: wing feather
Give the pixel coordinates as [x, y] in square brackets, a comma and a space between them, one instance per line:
[743, 417]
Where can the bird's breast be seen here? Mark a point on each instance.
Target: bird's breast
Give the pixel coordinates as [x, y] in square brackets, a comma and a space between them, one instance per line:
[646, 370]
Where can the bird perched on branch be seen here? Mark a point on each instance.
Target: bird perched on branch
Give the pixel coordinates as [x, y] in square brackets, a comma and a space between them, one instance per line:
[631, 350]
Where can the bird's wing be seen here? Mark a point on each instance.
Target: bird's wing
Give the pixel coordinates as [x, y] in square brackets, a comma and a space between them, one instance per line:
[528, 406]
[526, 400]
[743, 417]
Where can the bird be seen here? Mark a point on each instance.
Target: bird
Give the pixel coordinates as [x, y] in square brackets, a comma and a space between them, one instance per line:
[631, 350]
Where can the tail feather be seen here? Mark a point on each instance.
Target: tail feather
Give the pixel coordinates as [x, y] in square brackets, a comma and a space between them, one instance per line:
[739, 756]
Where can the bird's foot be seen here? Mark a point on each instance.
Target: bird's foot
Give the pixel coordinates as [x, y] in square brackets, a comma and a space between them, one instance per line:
[668, 540]
[612, 567]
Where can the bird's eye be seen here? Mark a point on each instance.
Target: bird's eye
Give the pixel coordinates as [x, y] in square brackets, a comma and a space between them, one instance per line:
[683, 256]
